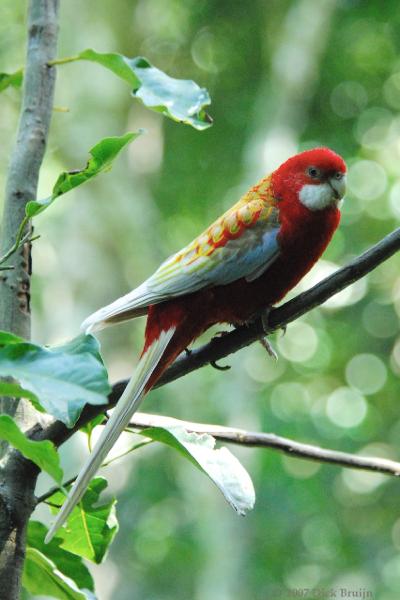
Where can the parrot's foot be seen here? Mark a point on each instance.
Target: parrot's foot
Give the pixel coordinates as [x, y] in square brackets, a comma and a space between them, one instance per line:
[267, 329]
[218, 335]
[188, 351]
[268, 347]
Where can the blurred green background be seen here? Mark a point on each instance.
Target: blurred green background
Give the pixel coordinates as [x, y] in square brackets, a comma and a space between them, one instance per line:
[283, 76]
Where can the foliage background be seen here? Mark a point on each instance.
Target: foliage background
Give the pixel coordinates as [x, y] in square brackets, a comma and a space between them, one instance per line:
[283, 76]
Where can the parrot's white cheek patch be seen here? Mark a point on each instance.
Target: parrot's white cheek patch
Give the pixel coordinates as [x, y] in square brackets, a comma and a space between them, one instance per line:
[316, 197]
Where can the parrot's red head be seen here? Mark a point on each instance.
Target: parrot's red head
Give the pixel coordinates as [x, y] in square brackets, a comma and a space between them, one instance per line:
[315, 178]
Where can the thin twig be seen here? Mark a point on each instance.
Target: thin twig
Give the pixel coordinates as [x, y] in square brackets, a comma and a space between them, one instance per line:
[20, 240]
[222, 346]
[54, 490]
[58, 488]
[274, 442]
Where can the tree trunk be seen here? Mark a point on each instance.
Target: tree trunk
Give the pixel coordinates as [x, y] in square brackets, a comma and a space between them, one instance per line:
[17, 475]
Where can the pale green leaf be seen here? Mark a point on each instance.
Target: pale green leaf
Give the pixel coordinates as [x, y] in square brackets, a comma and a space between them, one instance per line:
[179, 99]
[44, 454]
[63, 379]
[220, 465]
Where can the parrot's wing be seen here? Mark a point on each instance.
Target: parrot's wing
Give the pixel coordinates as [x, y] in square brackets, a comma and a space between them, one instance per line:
[240, 244]
[206, 262]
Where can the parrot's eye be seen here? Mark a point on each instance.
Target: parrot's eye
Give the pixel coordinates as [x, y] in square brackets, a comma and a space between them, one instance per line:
[313, 172]
[338, 175]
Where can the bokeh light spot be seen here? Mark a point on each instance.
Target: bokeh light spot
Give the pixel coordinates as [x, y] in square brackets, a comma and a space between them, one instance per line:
[346, 407]
[348, 99]
[366, 372]
[299, 343]
[290, 399]
[367, 180]
[391, 91]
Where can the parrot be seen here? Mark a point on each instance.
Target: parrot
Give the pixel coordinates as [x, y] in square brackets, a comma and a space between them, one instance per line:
[244, 263]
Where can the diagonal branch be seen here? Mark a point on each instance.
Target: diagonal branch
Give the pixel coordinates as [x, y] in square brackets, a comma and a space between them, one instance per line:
[241, 337]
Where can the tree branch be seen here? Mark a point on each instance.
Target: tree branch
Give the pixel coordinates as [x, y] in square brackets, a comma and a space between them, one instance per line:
[274, 442]
[220, 347]
[241, 437]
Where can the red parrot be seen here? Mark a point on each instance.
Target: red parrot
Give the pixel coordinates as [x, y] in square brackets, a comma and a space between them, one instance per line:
[245, 262]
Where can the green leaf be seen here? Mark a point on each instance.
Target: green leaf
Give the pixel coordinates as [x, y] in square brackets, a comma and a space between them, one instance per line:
[117, 63]
[41, 577]
[14, 390]
[11, 79]
[102, 156]
[91, 527]
[69, 564]
[220, 465]
[181, 100]
[9, 338]
[63, 379]
[88, 428]
[43, 454]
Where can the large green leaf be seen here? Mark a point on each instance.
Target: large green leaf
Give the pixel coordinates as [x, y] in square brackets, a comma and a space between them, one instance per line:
[42, 578]
[63, 379]
[179, 99]
[11, 79]
[43, 454]
[220, 465]
[91, 527]
[69, 564]
[102, 156]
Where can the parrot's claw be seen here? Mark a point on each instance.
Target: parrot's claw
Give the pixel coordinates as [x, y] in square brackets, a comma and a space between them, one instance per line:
[188, 351]
[265, 322]
[213, 363]
[265, 319]
[268, 347]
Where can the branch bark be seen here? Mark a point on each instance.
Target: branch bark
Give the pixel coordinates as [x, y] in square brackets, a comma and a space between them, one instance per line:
[287, 446]
[241, 437]
[220, 347]
[18, 476]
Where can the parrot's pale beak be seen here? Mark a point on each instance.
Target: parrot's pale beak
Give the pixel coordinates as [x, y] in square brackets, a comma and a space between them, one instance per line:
[338, 186]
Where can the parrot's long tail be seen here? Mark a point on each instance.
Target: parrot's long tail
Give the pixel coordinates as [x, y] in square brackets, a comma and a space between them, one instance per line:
[127, 405]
